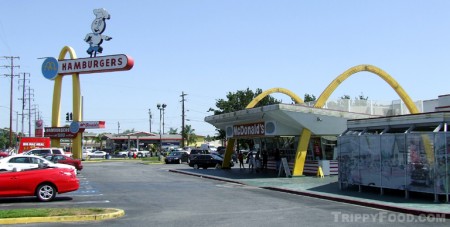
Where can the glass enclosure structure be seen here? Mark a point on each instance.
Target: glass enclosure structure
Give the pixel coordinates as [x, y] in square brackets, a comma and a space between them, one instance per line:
[411, 155]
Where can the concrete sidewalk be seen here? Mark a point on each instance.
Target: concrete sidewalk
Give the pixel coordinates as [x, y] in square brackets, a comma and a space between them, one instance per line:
[327, 188]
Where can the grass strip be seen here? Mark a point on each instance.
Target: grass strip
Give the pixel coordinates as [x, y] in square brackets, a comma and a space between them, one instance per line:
[50, 212]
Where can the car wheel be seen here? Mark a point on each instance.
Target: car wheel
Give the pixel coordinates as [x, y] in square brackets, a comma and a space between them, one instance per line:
[45, 192]
[196, 166]
[218, 166]
[139, 155]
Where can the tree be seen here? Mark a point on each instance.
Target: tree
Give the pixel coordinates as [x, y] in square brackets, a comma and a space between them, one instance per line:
[173, 131]
[239, 100]
[4, 138]
[309, 98]
[128, 131]
[99, 139]
[191, 138]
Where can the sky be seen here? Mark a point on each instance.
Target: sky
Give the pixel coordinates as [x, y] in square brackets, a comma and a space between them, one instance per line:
[208, 48]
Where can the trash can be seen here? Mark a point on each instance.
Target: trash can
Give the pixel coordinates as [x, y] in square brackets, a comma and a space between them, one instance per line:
[107, 156]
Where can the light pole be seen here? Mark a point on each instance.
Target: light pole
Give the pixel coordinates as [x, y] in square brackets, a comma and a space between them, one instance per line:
[161, 108]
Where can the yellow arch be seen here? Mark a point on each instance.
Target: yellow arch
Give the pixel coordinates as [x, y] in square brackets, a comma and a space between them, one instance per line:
[76, 97]
[373, 69]
[306, 133]
[256, 100]
[274, 90]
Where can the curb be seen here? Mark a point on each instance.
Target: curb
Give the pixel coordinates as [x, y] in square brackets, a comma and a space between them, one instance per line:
[333, 198]
[116, 213]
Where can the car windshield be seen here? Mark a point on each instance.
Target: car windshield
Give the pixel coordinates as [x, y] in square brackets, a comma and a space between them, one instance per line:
[217, 157]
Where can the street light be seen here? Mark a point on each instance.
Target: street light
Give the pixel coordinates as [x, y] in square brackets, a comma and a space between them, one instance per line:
[161, 108]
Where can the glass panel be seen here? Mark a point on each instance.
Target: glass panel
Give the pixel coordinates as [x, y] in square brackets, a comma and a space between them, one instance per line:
[441, 142]
[420, 158]
[393, 159]
[369, 160]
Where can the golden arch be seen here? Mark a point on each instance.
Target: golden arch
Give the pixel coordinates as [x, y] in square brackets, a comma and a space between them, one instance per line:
[76, 97]
[373, 69]
[274, 90]
[230, 142]
[306, 133]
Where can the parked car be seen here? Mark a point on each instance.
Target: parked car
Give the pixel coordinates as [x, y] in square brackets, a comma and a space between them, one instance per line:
[57, 158]
[44, 182]
[207, 160]
[122, 154]
[221, 149]
[97, 154]
[29, 162]
[85, 155]
[3, 154]
[177, 157]
[45, 151]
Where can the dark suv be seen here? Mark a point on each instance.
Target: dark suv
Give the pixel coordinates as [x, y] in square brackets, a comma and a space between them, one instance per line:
[207, 160]
[195, 152]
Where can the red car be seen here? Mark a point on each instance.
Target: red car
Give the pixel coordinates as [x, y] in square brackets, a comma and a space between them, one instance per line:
[44, 183]
[59, 158]
[3, 154]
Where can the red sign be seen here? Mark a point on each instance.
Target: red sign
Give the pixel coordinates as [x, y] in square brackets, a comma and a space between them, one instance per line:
[92, 124]
[28, 143]
[60, 132]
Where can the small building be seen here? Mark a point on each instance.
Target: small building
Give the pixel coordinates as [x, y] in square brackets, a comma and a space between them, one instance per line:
[407, 152]
[279, 126]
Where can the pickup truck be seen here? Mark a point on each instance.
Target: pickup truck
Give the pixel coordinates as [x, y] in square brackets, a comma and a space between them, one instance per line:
[139, 153]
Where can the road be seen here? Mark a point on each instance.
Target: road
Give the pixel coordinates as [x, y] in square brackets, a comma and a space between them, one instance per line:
[153, 196]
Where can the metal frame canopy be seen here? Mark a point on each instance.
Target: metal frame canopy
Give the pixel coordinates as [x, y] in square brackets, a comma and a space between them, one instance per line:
[289, 120]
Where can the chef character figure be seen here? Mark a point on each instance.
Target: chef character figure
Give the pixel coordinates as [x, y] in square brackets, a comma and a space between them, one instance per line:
[98, 27]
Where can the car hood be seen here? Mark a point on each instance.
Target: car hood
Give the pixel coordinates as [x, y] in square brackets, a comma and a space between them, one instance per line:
[60, 165]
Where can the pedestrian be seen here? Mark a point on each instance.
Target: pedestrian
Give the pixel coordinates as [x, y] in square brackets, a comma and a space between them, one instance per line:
[251, 160]
[129, 154]
[258, 161]
[241, 160]
[277, 158]
[264, 159]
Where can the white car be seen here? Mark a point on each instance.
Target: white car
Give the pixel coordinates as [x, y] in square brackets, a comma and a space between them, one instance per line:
[97, 154]
[29, 162]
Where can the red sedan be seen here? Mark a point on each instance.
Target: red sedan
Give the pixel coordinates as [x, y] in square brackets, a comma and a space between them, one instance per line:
[3, 154]
[59, 158]
[44, 183]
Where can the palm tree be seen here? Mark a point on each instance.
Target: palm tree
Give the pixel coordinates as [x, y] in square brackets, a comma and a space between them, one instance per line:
[99, 139]
[191, 138]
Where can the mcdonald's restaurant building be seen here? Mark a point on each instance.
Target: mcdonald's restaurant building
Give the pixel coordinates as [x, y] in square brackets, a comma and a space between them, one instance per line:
[280, 126]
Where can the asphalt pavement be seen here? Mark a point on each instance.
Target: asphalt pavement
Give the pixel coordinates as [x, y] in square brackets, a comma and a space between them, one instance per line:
[328, 188]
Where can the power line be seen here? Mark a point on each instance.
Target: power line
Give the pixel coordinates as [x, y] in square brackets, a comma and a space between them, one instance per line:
[12, 66]
[183, 133]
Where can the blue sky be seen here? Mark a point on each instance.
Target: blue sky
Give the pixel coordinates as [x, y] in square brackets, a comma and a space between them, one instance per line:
[211, 47]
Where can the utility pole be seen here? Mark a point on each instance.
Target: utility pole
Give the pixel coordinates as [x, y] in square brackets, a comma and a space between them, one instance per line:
[183, 133]
[150, 119]
[11, 94]
[23, 97]
[29, 110]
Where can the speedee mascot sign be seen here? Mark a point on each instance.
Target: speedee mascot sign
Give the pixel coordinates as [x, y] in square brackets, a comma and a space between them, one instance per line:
[54, 69]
